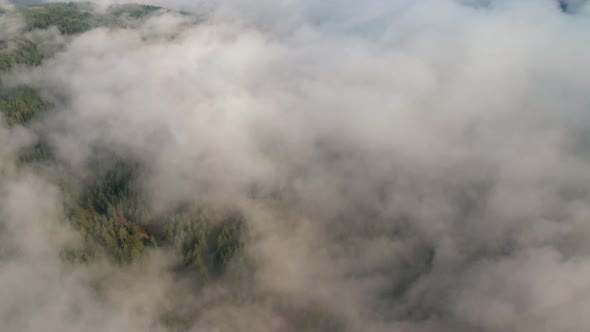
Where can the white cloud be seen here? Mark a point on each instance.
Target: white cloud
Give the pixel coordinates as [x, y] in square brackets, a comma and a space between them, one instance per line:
[417, 163]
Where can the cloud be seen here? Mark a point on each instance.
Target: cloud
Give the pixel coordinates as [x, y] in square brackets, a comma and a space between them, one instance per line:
[403, 166]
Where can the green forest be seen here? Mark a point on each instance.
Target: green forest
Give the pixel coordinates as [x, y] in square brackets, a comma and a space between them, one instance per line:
[107, 207]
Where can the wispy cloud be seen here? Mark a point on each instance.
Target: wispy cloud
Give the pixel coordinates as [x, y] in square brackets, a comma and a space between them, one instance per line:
[418, 166]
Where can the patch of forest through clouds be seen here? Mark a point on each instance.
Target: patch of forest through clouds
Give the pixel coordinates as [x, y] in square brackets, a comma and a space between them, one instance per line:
[295, 166]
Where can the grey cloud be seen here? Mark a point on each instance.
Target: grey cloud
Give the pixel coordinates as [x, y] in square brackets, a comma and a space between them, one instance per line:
[402, 167]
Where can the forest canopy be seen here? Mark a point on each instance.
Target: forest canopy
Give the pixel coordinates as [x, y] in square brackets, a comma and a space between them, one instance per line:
[107, 207]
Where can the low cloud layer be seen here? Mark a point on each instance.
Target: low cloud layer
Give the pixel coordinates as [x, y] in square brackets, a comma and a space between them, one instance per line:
[402, 166]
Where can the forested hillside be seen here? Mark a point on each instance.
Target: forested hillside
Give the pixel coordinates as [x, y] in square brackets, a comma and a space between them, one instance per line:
[106, 206]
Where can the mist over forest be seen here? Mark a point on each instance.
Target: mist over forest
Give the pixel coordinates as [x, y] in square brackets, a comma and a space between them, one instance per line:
[340, 165]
